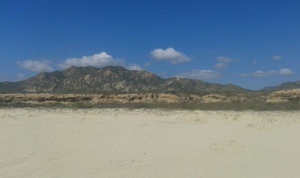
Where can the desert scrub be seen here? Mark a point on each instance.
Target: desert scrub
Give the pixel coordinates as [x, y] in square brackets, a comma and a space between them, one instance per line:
[235, 106]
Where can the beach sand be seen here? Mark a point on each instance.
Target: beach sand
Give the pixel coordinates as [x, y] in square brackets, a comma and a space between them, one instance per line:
[122, 143]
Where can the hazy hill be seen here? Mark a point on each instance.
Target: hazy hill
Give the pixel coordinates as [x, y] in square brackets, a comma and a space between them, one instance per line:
[284, 86]
[108, 79]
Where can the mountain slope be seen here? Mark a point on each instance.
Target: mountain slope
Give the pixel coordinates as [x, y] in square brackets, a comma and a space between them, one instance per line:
[284, 86]
[108, 79]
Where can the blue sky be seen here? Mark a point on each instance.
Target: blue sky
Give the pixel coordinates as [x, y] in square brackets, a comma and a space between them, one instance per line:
[251, 44]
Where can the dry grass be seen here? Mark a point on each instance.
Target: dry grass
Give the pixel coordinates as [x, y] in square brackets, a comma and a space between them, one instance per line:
[236, 106]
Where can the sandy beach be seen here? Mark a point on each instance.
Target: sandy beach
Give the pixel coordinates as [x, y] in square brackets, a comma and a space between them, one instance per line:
[122, 143]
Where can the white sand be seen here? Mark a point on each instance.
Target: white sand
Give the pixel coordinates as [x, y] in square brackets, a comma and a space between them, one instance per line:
[120, 143]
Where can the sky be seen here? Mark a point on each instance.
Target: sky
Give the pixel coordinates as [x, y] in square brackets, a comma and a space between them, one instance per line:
[252, 44]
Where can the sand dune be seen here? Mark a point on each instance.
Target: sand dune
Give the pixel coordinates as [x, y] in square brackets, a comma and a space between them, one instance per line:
[92, 143]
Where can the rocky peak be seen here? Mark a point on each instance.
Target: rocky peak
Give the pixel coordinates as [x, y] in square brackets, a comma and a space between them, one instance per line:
[145, 74]
[176, 79]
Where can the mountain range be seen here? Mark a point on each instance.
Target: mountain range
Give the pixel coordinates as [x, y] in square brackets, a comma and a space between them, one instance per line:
[109, 79]
[116, 79]
[284, 86]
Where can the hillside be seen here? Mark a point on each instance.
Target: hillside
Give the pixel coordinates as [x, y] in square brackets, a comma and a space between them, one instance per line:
[284, 86]
[109, 79]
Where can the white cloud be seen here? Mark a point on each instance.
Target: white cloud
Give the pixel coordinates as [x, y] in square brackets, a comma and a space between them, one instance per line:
[286, 72]
[244, 75]
[169, 55]
[36, 66]
[225, 59]
[254, 62]
[97, 60]
[277, 58]
[134, 67]
[260, 73]
[200, 74]
[220, 66]
[283, 72]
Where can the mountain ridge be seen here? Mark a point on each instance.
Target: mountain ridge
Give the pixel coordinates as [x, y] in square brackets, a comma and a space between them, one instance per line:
[283, 86]
[109, 79]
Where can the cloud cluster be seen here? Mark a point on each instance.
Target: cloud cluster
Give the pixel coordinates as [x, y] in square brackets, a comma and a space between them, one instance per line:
[36, 66]
[97, 60]
[200, 74]
[260, 73]
[283, 72]
[169, 55]
[223, 62]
